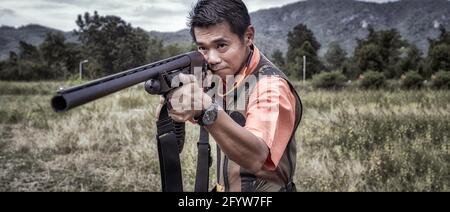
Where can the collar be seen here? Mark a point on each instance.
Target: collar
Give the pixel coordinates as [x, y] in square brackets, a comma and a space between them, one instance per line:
[252, 61]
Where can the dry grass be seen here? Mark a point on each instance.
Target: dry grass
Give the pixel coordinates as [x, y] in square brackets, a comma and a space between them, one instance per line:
[348, 141]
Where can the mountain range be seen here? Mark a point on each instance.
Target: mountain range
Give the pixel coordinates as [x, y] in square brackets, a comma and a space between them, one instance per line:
[343, 21]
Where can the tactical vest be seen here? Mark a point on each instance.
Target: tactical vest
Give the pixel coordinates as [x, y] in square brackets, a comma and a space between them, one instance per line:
[233, 178]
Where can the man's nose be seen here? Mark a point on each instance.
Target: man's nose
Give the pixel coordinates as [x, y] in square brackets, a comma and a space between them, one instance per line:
[213, 58]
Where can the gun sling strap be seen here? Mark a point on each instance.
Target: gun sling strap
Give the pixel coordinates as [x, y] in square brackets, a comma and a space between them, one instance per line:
[170, 139]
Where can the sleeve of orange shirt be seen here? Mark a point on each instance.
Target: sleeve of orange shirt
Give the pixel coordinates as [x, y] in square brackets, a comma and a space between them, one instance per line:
[271, 116]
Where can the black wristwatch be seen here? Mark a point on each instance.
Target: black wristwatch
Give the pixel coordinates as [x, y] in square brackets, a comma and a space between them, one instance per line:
[208, 115]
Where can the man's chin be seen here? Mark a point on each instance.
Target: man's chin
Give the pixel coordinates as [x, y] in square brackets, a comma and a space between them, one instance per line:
[223, 73]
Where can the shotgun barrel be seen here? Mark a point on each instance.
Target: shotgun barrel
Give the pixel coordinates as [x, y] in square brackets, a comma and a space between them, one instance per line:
[69, 98]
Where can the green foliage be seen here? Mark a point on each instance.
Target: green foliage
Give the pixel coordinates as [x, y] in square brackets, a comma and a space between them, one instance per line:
[158, 51]
[438, 53]
[278, 59]
[368, 58]
[301, 42]
[329, 80]
[380, 51]
[108, 43]
[372, 79]
[313, 64]
[411, 61]
[297, 37]
[350, 69]
[53, 59]
[62, 59]
[54, 47]
[439, 57]
[155, 50]
[412, 80]
[335, 56]
[28, 52]
[441, 80]
[27, 65]
[111, 44]
[443, 38]
[173, 50]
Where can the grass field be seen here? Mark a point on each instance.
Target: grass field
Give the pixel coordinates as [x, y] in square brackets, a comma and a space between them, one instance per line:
[349, 140]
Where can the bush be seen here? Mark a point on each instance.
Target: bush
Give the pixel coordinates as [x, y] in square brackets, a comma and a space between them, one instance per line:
[372, 79]
[411, 79]
[441, 80]
[329, 80]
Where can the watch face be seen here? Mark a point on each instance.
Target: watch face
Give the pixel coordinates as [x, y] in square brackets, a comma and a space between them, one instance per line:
[210, 116]
[207, 118]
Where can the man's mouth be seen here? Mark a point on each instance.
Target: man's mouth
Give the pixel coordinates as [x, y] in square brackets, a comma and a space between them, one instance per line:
[216, 70]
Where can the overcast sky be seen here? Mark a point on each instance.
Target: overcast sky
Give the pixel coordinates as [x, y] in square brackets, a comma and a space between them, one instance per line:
[160, 15]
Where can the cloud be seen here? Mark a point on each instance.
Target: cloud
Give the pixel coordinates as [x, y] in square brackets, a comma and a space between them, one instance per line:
[6, 12]
[7, 17]
[254, 5]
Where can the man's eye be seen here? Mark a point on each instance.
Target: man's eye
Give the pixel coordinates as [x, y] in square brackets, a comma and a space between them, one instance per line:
[201, 48]
[220, 46]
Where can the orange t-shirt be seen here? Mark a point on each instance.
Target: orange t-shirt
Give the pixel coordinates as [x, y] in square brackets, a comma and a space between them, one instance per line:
[270, 113]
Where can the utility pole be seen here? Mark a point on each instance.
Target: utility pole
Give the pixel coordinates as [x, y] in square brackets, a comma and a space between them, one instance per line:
[81, 68]
[304, 69]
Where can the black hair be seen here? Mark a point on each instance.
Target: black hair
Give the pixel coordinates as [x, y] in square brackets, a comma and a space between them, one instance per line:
[211, 12]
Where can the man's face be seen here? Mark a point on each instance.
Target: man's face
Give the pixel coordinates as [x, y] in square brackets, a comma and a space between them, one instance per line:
[224, 50]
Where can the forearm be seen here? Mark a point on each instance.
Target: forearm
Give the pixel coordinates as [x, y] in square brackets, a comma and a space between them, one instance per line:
[239, 144]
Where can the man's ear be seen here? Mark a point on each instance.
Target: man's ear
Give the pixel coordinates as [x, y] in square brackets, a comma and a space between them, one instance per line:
[249, 35]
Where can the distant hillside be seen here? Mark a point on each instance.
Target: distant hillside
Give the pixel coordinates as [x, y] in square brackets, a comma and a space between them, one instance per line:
[330, 20]
[33, 34]
[343, 21]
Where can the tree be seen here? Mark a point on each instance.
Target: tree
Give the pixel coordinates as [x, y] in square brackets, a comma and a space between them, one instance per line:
[111, 44]
[444, 37]
[10, 68]
[350, 68]
[28, 51]
[439, 52]
[54, 48]
[174, 49]
[335, 56]
[74, 52]
[439, 57]
[380, 51]
[155, 50]
[297, 37]
[30, 65]
[368, 58]
[412, 60]
[301, 42]
[278, 59]
[313, 64]
[61, 58]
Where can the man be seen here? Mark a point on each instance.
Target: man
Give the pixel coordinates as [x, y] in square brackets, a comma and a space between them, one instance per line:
[256, 142]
